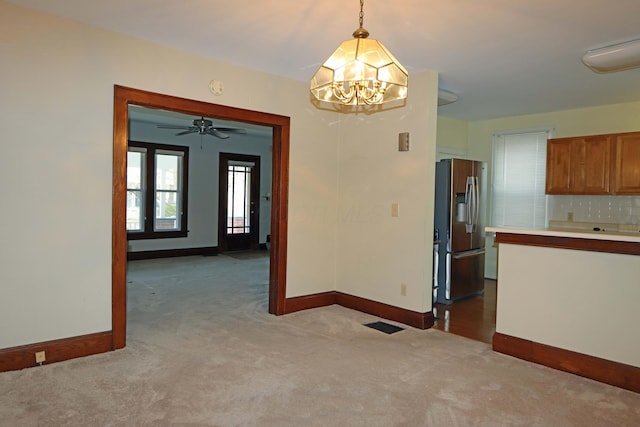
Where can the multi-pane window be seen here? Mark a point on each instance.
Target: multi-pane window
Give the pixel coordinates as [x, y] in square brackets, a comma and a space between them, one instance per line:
[156, 191]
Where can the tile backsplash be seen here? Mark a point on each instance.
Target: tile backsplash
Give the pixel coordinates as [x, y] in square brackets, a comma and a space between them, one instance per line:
[594, 209]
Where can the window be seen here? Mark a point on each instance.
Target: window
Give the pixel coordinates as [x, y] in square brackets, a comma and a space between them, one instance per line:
[156, 191]
[519, 170]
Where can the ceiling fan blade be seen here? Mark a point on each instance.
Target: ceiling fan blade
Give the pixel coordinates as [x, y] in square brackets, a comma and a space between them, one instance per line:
[174, 127]
[215, 132]
[231, 130]
[187, 132]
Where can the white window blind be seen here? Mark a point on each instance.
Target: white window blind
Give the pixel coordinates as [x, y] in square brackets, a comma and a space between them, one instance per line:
[519, 168]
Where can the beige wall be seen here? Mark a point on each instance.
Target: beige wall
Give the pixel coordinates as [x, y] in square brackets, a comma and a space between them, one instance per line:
[585, 121]
[56, 164]
[385, 252]
[576, 300]
[452, 133]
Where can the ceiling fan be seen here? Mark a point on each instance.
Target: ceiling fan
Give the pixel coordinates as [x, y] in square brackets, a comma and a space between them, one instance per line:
[205, 127]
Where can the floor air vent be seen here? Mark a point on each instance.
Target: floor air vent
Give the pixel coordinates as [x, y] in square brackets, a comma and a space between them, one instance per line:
[384, 327]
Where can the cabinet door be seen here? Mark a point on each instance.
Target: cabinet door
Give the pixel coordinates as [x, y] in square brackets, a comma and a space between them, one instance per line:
[580, 165]
[559, 166]
[627, 164]
[595, 170]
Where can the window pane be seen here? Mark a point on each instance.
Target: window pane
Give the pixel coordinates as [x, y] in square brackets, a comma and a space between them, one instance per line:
[238, 199]
[135, 190]
[134, 210]
[167, 169]
[166, 211]
[135, 163]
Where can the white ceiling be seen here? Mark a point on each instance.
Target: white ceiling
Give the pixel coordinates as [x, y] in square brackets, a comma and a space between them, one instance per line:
[502, 57]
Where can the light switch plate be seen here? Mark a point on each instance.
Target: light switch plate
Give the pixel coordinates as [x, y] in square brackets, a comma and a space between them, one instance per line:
[403, 141]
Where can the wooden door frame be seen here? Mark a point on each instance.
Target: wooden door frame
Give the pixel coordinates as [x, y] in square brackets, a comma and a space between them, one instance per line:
[254, 224]
[123, 97]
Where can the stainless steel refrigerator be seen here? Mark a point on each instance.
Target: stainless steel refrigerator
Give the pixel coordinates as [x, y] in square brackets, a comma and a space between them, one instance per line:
[458, 221]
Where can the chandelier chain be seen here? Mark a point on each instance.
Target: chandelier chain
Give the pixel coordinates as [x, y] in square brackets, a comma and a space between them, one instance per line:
[361, 13]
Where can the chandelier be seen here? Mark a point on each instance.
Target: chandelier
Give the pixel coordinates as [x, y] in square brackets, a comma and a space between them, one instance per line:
[360, 71]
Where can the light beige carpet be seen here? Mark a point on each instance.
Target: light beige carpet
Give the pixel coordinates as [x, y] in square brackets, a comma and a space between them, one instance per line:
[202, 351]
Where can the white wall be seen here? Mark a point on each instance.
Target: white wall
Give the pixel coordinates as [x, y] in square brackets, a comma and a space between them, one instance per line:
[56, 163]
[203, 183]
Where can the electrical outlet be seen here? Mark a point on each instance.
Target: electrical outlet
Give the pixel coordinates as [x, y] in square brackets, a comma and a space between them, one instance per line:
[40, 357]
[569, 216]
[403, 289]
[395, 210]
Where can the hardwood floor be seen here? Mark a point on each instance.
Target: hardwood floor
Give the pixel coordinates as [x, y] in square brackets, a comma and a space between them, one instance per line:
[473, 317]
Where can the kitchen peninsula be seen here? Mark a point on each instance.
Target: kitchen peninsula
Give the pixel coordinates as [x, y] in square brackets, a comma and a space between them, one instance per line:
[570, 299]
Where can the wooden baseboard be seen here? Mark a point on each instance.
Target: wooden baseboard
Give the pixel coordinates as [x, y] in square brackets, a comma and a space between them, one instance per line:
[595, 368]
[171, 253]
[386, 311]
[397, 314]
[21, 357]
[307, 302]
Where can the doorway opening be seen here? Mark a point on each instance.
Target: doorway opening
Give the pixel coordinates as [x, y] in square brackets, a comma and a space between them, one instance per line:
[123, 97]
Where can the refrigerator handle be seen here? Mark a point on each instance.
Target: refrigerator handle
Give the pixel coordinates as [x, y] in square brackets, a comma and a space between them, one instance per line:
[476, 204]
[469, 198]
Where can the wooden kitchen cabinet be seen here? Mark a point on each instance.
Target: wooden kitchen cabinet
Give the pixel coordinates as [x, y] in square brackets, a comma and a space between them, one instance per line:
[626, 179]
[579, 165]
[559, 165]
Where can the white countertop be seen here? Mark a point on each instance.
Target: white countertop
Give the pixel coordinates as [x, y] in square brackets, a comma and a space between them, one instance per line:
[619, 236]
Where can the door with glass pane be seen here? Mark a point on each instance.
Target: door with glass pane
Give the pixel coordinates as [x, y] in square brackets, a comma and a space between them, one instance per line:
[239, 202]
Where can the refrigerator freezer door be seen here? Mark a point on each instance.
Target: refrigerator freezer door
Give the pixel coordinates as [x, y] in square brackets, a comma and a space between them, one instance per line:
[464, 275]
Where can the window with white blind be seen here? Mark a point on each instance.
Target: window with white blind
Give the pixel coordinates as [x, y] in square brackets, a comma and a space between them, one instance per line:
[518, 180]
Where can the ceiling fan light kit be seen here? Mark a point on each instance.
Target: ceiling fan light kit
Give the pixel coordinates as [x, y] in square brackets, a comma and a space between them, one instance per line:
[360, 72]
[617, 57]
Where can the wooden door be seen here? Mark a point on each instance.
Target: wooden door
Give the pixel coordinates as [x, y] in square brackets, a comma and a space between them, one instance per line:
[239, 199]
[627, 163]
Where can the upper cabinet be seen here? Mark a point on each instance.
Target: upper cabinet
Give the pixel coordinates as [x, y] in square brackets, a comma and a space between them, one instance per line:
[598, 164]
[627, 167]
[579, 165]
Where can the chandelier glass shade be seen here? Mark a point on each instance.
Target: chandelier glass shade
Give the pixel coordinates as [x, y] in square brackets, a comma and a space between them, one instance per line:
[360, 71]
